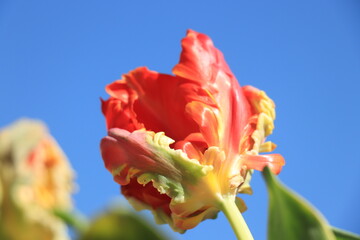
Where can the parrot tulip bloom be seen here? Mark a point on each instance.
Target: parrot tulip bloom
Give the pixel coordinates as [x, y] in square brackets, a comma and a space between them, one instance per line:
[181, 145]
[35, 179]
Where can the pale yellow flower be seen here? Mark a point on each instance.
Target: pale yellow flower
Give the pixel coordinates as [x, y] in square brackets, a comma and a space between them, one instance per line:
[35, 178]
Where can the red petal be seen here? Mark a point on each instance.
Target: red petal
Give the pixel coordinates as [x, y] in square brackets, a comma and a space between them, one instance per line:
[119, 114]
[201, 62]
[130, 155]
[148, 195]
[161, 102]
[127, 155]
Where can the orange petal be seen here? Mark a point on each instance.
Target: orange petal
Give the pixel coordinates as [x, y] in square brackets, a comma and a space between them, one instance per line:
[258, 162]
[193, 145]
[208, 120]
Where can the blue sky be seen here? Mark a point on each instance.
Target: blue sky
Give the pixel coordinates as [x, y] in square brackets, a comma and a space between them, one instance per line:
[57, 56]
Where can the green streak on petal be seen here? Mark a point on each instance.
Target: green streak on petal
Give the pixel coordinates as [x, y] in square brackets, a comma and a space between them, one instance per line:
[164, 185]
[191, 171]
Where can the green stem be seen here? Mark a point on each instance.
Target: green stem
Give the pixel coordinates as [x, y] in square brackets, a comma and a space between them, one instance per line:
[236, 220]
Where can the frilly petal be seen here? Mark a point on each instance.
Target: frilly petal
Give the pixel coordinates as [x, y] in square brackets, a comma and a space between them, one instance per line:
[143, 153]
[120, 113]
[218, 129]
[200, 60]
[226, 106]
[153, 101]
[209, 191]
[144, 161]
[147, 157]
[263, 109]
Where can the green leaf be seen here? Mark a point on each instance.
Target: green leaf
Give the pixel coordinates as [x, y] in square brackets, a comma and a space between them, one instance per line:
[344, 235]
[74, 220]
[121, 224]
[292, 217]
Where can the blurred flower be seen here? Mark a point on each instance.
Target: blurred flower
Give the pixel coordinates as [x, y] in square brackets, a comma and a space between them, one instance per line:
[179, 145]
[35, 178]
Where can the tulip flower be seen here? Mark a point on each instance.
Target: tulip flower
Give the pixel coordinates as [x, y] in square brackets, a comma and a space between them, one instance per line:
[35, 179]
[185, 145]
